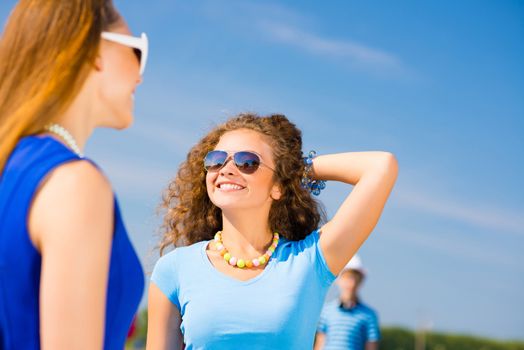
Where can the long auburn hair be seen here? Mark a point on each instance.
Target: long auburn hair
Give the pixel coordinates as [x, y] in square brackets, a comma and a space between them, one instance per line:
[189, 214]
[47, 50]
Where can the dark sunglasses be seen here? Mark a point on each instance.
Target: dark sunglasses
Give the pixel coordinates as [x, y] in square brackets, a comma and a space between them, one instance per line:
[247, 162]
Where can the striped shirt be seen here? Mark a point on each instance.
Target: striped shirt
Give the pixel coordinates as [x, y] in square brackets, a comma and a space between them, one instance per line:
[348, 328]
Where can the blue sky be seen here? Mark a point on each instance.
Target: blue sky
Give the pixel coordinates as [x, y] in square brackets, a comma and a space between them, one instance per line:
[438, 83]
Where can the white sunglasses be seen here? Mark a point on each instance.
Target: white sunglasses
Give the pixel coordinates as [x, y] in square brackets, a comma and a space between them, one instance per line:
[139, 44]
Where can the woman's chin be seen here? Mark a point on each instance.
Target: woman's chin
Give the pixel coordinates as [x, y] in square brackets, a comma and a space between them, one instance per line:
[124, 122]
[230, 204]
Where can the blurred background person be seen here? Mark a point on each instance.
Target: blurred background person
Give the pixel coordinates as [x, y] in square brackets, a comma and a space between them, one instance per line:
[347, 323]
[69, 276]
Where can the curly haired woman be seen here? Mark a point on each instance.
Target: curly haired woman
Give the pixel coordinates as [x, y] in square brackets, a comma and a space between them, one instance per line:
[252, 266]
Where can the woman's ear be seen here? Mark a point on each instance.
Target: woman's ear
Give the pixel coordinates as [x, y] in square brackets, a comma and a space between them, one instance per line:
[276, 192]
[99, 59]
[98, 64]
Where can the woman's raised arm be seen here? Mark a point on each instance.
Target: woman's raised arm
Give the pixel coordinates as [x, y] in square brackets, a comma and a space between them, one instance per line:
[373, 175]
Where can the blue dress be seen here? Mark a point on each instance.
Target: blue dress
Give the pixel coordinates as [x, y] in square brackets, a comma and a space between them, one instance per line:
[20, 263]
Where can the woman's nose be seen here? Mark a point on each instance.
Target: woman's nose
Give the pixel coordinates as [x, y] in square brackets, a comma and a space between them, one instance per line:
[228, 167]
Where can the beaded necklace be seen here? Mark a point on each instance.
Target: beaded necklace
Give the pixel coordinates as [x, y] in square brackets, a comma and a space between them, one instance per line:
[66, 136]
[245, 263]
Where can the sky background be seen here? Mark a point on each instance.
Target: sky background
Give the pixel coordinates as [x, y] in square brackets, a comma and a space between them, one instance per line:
[438, 83]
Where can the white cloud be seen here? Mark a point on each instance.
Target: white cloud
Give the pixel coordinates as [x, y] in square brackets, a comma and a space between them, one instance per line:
[454, 244]
[285, 25]
[470, 213]
[356, 53]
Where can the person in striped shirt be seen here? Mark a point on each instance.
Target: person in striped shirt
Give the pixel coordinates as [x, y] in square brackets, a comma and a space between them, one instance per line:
[347, 323]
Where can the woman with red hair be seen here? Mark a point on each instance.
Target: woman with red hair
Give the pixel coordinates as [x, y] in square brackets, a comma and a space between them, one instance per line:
[69, 276]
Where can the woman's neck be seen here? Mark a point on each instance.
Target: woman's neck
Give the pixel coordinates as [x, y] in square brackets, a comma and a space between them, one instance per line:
[246, 234]
[78, 118]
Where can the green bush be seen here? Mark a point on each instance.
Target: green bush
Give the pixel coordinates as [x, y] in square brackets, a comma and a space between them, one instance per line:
[403, 339]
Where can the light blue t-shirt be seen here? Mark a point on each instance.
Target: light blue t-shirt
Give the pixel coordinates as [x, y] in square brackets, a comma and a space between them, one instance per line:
[278, 309]
[348, 329]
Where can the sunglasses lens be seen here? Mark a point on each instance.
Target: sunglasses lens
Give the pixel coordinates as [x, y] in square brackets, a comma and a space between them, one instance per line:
[247, 162]
[138, 54]
[214, 160]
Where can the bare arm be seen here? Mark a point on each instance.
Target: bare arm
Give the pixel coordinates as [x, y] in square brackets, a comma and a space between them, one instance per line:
[373, 175]
[163, 330]
[71, 223]
[372, 345]
[320, 339]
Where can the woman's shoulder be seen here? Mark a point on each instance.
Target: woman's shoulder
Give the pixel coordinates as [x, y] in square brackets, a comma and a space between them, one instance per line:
[42, 146]
[170, 266]
[309, 241]
[181, 254]
[81, 179]
[307, 252]
[47, 158]
[78, 192]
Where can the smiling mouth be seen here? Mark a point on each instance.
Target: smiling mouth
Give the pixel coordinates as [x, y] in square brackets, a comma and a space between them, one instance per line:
[230, 187]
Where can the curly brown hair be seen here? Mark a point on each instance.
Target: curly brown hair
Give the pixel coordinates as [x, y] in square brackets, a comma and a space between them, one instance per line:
[189, 214]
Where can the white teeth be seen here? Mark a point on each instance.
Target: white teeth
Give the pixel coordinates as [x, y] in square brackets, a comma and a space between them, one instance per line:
[230, 187]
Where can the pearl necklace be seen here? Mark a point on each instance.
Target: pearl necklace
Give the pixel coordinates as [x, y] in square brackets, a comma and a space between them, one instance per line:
[245, 263]
[66, 136]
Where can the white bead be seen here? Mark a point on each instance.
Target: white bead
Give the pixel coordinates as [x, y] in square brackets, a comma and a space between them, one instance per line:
[65, 136]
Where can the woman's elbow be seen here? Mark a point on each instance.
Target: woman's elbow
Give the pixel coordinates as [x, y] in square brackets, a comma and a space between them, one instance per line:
[389, 165]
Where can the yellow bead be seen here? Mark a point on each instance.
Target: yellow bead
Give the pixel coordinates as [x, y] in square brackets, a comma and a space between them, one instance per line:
[227, 256]
[262, 260]
[241, 263]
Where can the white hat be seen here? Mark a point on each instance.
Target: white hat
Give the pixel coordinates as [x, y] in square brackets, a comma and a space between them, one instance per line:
[355, 264]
